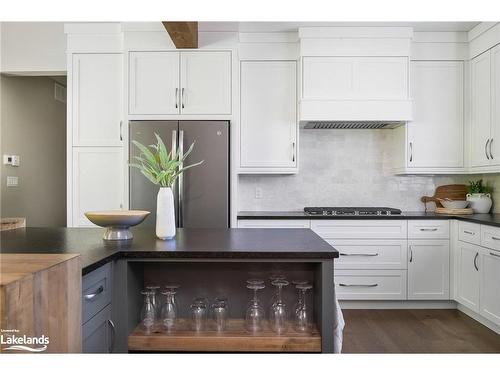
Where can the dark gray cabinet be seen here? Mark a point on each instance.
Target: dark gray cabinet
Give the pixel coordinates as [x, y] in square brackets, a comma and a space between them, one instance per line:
[98, 330]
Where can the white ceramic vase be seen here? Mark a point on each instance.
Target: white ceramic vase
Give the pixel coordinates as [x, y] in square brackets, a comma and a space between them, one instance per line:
[165, 215]
[480, 202]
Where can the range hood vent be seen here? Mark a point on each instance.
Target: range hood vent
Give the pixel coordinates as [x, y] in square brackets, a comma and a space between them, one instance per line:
[352, 124]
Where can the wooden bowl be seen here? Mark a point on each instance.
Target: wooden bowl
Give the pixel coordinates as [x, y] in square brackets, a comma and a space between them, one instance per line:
[117, 223]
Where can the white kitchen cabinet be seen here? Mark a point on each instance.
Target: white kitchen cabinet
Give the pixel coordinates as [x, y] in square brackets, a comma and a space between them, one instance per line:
[272, 223]
[171, 82]
[154, 83]
[345, 78]
[370, 284]
[489, 283]
[268, 135]
[467, 289]
[495, 107]
[205, 83]
[98, 182]
[428, 270]
[436, 133]
[97, 97]
[481, 110]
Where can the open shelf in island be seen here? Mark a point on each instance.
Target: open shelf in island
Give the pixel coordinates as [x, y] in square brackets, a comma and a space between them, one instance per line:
[233, 339]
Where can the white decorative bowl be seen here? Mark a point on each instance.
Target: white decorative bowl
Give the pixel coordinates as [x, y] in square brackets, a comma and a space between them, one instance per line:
[117, 223]
[454, 204]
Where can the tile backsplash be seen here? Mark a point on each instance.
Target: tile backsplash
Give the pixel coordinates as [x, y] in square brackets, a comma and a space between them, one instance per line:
[341, 167]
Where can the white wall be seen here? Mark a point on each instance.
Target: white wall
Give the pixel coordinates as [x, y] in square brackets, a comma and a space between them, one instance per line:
[36, 48]
[341, 167]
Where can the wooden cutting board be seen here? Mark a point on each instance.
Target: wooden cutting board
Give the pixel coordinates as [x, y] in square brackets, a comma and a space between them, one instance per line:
[454, 211]
[455, 192]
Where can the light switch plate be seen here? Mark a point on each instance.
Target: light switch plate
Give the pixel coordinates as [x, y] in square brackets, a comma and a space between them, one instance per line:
[12, 181]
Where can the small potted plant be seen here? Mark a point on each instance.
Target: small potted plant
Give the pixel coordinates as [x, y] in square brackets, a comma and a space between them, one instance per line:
[162, 168]
[479, 197]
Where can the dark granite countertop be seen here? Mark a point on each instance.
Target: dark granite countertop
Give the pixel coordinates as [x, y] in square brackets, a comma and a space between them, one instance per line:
[487, 219]
[188, 243]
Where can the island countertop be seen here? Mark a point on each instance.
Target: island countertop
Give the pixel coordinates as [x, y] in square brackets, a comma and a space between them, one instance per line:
[188, 243]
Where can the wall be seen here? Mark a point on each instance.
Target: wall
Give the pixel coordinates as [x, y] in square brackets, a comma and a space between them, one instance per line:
[37, 48]
[33, 125]
[341, 167]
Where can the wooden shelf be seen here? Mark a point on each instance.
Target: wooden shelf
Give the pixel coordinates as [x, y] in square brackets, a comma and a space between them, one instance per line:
[233, 339]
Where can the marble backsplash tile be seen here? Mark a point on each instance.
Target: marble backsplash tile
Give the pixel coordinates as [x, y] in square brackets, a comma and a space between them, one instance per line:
[341, 167]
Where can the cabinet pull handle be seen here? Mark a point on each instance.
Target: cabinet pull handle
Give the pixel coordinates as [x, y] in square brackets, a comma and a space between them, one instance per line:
[495, 255]
[475, 262]
[486, 149]
[121, 127]
[113, 336]
[411, 254]
[182, 97]
[411, 152]
[471, 233]
[355, 285]
[176, 97]
[293, 151]
[495, 238]
[90, 297]
[360, 254]
[491, 154]
[428, 229]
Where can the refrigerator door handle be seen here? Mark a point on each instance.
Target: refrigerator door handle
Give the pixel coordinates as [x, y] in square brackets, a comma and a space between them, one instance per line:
[181, 178]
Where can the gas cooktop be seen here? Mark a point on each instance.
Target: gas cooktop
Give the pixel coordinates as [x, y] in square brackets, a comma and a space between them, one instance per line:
[351, 211]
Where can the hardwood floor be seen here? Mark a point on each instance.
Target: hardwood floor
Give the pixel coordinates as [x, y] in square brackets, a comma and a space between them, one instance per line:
[416, 331]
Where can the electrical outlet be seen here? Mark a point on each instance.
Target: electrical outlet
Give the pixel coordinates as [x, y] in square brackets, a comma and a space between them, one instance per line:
[12, 181]
[13, 160]
[258, 193]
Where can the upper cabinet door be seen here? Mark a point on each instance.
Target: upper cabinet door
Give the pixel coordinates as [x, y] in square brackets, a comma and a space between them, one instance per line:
[338, 78]
[495, 106]
[205, 83]
[268, 114]
[435, 136]
[481, 110]
[97, 98]
[154, 83]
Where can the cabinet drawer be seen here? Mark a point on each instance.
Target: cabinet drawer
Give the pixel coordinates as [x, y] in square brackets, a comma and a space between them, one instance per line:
[371, 254]
[273, 223]
[370, 284]
[469, 232]
[429, 229]
[96, 291]
[490, 237]
[336, 229]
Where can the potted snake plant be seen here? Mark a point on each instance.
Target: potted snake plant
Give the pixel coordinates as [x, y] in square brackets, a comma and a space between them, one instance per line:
[162, 168]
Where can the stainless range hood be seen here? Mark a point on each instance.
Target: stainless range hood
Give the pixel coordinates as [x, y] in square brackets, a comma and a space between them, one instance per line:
[353, 124]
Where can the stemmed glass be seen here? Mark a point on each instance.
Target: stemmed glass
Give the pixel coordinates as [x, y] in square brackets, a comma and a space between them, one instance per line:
[173, 288]
[148, 312]
[278, 312]
[254, 317]
[169, 310]
[302, 313]
[272, 279]
[155, 298]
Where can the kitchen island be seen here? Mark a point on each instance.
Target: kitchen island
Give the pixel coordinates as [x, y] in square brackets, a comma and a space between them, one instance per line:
[206, 263]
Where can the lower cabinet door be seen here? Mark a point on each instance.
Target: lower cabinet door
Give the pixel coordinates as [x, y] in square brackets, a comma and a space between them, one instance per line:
[98, 333]
[370, 284]
[467, 292]
[428, 270]
[490, 281]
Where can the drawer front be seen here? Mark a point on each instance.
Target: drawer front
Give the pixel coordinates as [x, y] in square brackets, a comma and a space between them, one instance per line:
[335, 229]
[96, 291]
[370, 285]
[273, 223]
[371, 254]
[490, 237]
[469, 232]
[429, 229]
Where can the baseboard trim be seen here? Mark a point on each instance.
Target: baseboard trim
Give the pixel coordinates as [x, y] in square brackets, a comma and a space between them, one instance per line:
[398, 305]
[474, 315]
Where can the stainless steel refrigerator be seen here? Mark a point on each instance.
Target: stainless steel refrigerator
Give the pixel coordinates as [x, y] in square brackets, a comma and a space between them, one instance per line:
[202, 192]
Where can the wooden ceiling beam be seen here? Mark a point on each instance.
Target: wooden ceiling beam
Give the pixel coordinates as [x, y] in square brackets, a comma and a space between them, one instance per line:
[183, 34]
